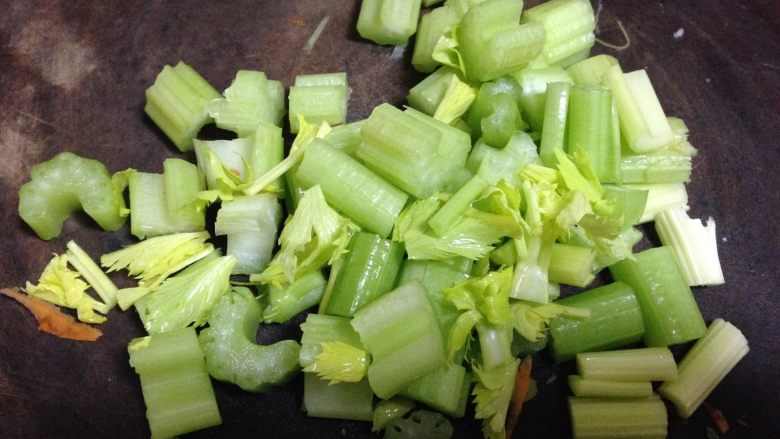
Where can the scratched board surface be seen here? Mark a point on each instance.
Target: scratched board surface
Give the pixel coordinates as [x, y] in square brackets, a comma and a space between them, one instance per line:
[72, 77]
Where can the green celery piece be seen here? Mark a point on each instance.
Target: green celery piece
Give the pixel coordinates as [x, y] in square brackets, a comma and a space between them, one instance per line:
[493, 43]
[420, 424]
[432, 26]
[629, 203]
[351, 188]
[428, 93]
[505, 254]
[530, 320]
[303, 293]
[175, 384]
[176, 103]
[250, 100]
[502, 123]
[556, 106]
[694, 244]
[534, 83]
[231, 352]
[589, 128]
[188, 297]
[445, 390]
[250, 223]
[346, 137]
[319, 98]
[568, 26]
[492, 396]
[388, 21]
[339, 362]
[660, 197]
[649, 169]
[386, 410]
[598, 388]
[495, 344]
[571, 265]
[369, 270]
[632, 417]
[66, 184]
[704, 366]
[458, 178]
[591, 70]
[320, 328]
[456, 206]
[669, 310]
[401, 332]
[183, 181]
[496, 164]
[487, 103]
[628, 365]
[149, 206]
[615, 320]
[93, 274]
[456, 101]
[322, 399]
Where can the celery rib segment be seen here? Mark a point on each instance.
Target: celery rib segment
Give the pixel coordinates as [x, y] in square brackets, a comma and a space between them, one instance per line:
[694, 244]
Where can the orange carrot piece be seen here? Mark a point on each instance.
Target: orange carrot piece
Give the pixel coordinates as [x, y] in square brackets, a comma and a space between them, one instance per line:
[522, 381]
[718, 418]
[52, 320]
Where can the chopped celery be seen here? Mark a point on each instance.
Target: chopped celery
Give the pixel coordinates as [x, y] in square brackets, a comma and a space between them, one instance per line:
[655, 169]
[615, 320]
[534, 83]
[629, 203]
[601, 388]
[556, 106]
[346, 137]
[495, 344]
[230, 349]
[420, 424]
[388, 21]
[319, 98]
[428, 93]
[694, 244]
[628, 365]
[457, 99]
[497, 164]
[618, 417]
[339, 362]
[589, 128]
[704, 366]
[452, 209]
[303, 293]
[492, 396]
[445, 389]
[669, 310]
[660, 197]
[386, 410]
[322, 399]
[92, 273]
[571, 265]
[64, 185]
[568, 26]
[432, 26]
[176, 387]
[531, 319]
[319, 328]
[591, 70]
[250, 224]
[495, 114]
[176, 102]
[250, 100]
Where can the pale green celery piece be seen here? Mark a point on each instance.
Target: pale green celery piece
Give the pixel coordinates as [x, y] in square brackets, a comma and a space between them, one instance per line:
[505, 254]
[428, 93]
[680, 146]
[303, 293]
[445, 390]
[337, 401]
[629, 203]
[628, 365]
[432, 27]
[231, 153]
[176, 102]
[388, 21]
[183, 181]
[457, 99]
[340, 362]
[420, 424]
[92, 273]
[584, 53]
[649, 169]
[591, 70]
[589, 129]
[492, 396]
[346, 137]
[568, 24]
[386, 410]
[497, 164]
[495, 343]
[454, 208]
[63, 185]
[318, 103]
[250, 100]
[534, 83]
[604, 417]
[458, 178]
[339, 78]
[694, 244]
[320, 328]
[250, 223]
[176, 387]
[556, 106]
[660, 197]
[600, 388]
[705, 366]
[642, 120]
[232, 355]
[571, 265]
[150, 215]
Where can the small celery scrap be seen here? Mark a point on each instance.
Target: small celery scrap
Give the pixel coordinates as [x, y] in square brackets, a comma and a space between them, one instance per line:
[530, 319]
[62, 286]
[251, 99]
[315, 235]
[52, 320]
[457, 99]
[492, 395]
[339, 362]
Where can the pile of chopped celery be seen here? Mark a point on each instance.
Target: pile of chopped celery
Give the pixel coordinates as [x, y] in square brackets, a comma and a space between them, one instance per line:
[426, 245]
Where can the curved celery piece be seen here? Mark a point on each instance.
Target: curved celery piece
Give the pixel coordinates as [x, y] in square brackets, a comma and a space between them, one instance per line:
[66, 184]
[231, 352]
[388, 21]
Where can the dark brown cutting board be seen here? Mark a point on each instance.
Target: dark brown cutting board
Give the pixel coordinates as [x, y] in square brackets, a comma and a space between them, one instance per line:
[72, 77]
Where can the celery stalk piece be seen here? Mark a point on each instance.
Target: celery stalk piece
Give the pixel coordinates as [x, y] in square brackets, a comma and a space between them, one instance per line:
[589, 128]
[445, 390]
[428, 93]
[650, 169]
[92, 273]
[386, 410]
[370, 267]
[642, 120]
[556, 106]
[618, 417]
[401, 333]
[534, 83]
[453, 209]
[250, 223]
[230, 349]
[694, 244]
[337, 401]
[601, 388]
[495, 115]
[571, 265]
[340, 362]
[457, 99]
[629, 203]
[568, 26]
[432, 27]
[495, 343]
[388, 21]
[66, 184]
[669, 310]
[319, 98]
[176, 103]
[591, 70]
[615, 320]
[319, 328]
[176, 387]
[704, 366]
[628, 365]
[351, 188]
[250, 100]
[303, 293]
[660, 197]
[183, 181]
[496, 164]
[506, 254]
[346, 137]
[492, 396]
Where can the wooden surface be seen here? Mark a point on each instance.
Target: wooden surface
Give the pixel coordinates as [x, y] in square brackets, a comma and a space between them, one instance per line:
[72, 77]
